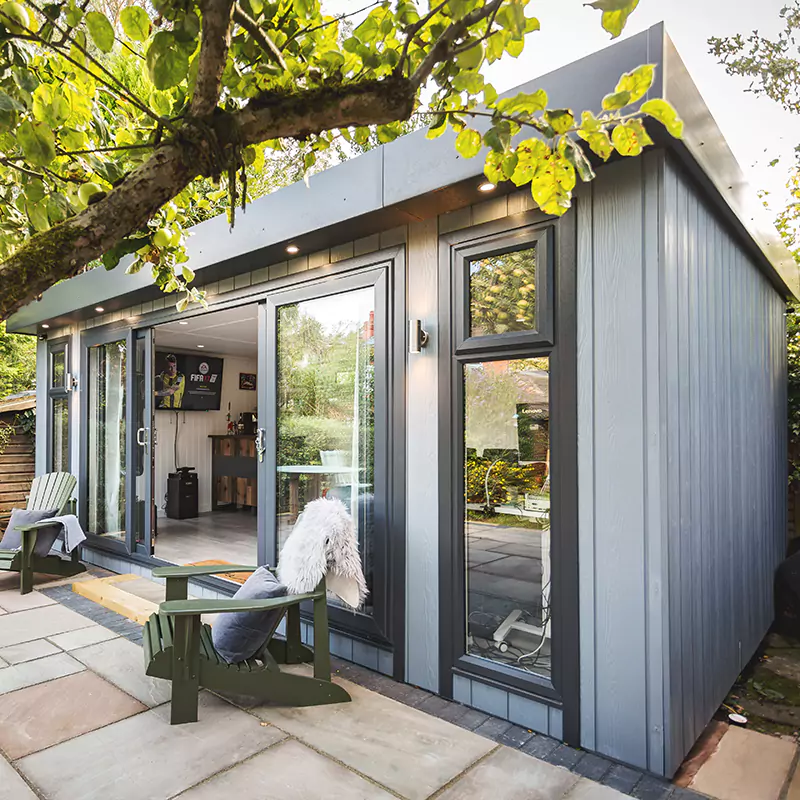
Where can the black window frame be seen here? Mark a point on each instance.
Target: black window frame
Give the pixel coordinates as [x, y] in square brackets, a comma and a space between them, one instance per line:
[555, 338]
[61, 392]
[386, 625]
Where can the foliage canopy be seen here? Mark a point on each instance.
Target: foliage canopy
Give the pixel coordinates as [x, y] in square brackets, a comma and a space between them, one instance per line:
[117, 121]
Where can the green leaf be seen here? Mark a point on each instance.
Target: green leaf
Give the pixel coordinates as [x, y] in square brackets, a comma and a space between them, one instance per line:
[37, 143]
[51, 105]
[638, 82]
[560, 119]
[615, 14]
[37, 213]
[468, 143]
[665, 114]
[8, 103]
[630, 138]
[101, 30]
[182, 304]
[575, 155]
[531, 154]
[167, 62]
[135, 22]
[613, 102]
[552, 184]
[188, 274]
[438, 128]
[599, 141]
[524, 103]
[123, 248]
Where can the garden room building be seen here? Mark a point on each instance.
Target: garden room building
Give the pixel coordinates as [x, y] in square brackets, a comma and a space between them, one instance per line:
[563, 441]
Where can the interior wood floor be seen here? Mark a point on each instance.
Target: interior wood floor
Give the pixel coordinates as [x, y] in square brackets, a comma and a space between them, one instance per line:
[215, 535]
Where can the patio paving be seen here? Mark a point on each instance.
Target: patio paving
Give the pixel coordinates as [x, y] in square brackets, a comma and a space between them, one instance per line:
[79, 719]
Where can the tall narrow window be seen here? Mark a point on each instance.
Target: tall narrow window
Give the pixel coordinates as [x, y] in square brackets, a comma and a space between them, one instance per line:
[106, 439]
[326, 411]
[507, 512]
[58, 407]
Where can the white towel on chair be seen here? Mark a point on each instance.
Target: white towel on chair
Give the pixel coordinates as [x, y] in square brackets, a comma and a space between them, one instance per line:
[71, 528]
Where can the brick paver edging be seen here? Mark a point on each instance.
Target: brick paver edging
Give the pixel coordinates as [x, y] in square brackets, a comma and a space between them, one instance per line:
[632, 782]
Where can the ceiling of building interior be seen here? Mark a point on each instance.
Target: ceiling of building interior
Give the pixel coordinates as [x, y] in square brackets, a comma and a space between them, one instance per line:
[230, 332]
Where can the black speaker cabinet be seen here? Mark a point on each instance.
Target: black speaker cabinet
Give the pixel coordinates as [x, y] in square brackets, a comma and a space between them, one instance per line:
[182, 495]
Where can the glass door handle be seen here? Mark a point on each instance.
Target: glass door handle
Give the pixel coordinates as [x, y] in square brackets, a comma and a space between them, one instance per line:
[141, 437]
[261, 443]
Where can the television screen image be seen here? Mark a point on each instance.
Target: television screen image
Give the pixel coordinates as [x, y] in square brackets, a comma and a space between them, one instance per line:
[187, 382]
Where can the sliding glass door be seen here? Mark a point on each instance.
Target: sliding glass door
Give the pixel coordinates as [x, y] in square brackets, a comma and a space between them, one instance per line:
[328, 386]
[116, 485]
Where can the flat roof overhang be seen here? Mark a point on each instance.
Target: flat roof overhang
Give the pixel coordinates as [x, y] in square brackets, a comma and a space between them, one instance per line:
[415, 178]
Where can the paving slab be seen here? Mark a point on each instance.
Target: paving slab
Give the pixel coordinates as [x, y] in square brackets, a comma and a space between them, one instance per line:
[411, 752]
[509, 775]
[11, 600]
[41, 716]
[27, 651]
[37, 623]
[29, 673]
[71, 640]
[589, 790]
[288, 771]
[14, 788]
[112, 761]
[121, 662]
[793, 792]
[746, 764]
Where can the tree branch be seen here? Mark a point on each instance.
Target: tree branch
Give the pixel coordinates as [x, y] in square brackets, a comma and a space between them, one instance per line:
[441, 50]
[264, 42]
[216, 38]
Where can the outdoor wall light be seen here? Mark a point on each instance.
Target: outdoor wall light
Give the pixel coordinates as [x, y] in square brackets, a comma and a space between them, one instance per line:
[486, 186]
[292, 249]
[417, 337]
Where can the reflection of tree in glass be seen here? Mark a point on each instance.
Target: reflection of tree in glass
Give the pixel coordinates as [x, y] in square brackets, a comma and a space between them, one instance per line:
[503, 293]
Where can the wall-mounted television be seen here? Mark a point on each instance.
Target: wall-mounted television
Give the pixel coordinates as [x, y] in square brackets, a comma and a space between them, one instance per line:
[187, 382]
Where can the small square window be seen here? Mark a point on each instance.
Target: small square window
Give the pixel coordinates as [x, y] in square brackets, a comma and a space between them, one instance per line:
[502, 293]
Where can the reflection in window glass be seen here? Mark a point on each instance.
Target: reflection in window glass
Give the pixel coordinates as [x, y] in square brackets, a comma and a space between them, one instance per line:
[106, 432]
[326, 411]
[507, 514]
[60, 407]
[58, 368]
[502, 293]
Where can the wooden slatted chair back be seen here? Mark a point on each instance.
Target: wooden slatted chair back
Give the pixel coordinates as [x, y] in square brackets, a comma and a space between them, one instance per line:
[53, 490]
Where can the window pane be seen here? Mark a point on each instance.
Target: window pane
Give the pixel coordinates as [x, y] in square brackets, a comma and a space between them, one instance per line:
[502, 293]
[106, 432]
[326, 410]
[507, 515]
[58, 368]
[60, 435]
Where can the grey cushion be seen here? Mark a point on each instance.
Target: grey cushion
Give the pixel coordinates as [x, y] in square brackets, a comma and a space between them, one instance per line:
[242, 634]
[45, 537]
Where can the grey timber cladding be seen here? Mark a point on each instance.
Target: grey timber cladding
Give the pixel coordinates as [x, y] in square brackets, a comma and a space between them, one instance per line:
[723, 485]
[682, 460]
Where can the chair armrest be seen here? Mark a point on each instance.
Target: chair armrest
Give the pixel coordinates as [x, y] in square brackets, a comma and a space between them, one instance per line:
[183, 608]
[35, 526]
[205, 569]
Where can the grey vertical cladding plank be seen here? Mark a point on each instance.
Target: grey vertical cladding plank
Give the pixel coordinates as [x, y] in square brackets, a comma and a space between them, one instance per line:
[655, 599]
[670, 383]
[422, 522]
[725, 438]
[585, 372]
[40, 456]
[619, 445]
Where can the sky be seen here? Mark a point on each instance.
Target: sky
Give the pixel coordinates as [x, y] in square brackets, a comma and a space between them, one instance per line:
[756, 129]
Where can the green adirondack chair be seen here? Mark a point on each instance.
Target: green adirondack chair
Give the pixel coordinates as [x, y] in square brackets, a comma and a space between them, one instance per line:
[53, 490]
[178, 647]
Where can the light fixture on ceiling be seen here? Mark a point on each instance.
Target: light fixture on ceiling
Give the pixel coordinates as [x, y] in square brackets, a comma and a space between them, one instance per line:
[292, 249]
[486, 186]
[45, 325]
[99, 309]
[201, 346]
[183, 322]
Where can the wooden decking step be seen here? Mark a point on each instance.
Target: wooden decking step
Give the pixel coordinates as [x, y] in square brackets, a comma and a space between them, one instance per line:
[107, 593]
